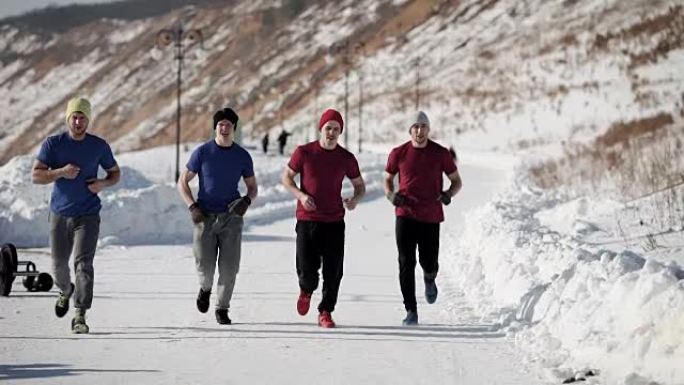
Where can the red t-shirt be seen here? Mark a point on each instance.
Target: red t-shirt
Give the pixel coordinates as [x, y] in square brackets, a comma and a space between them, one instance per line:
[322, 172]
[420, 179]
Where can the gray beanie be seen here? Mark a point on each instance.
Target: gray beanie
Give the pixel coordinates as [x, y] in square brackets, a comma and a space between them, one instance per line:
[421, 118]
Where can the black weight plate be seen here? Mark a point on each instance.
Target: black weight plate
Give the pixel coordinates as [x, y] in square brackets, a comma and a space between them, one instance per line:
[15, 257]
[6, 272]
[28, 283]
[43, 282]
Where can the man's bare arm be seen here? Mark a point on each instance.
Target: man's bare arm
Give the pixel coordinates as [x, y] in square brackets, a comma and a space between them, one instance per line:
[183, 186]
[42, 174]
[252, 187]
[289, 183]
[456, 183]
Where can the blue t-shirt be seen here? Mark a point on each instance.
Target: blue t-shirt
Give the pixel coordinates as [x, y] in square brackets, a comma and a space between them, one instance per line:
[71, 197]
[219, 170]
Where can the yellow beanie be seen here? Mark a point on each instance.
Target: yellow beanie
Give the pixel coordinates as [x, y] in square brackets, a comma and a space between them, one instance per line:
[81, 105]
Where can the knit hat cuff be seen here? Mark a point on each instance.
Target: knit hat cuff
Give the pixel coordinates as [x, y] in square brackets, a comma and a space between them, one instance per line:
[328, 115]
[81, 105]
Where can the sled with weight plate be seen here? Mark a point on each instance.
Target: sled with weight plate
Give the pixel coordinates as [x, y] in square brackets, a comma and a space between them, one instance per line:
[9, 269]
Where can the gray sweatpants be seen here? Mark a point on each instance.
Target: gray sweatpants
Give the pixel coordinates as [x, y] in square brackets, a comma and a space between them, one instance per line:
[220, 235]
[77, 234]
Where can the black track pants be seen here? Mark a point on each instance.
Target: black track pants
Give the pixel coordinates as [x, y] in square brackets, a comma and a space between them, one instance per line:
[320, 243]
[411, 234]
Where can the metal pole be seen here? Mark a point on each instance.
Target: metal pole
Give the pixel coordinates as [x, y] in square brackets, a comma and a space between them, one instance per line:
[175, 36]
[179, 58]
[281, 100]
[315, 123]
[417, 64]
[346, 104]
[360, 107]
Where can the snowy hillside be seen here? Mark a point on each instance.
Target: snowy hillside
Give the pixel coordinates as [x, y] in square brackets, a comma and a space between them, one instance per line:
[527, 75]
[568, 119]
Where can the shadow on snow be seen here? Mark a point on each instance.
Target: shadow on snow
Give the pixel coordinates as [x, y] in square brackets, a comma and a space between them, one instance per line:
[16, 372]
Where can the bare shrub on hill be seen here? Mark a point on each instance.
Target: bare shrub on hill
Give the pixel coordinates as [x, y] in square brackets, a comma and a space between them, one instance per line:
[658, 36]
[638, 163]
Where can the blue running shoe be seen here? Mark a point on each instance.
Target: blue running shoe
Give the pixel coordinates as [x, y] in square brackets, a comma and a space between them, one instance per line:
[411, 318]
[430, 290]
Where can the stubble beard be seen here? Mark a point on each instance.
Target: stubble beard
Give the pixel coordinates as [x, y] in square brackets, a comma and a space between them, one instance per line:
[420, 141]
[78, 133]
[330, 141]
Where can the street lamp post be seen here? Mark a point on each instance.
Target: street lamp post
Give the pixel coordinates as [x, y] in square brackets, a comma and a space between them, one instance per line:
[177, 36]
[360, 74]
[281, 98]
[316, 112]
[416, 63]
[346, 99]
[346, 51]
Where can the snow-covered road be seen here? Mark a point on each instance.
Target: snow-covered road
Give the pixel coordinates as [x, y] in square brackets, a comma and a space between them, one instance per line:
[145, 328]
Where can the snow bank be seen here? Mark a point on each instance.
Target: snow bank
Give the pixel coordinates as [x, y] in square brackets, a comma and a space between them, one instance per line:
[573, 306]
[145, 207]
[135, 211]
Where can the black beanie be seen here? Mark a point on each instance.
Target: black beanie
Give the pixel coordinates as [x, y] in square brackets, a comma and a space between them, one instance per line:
[226, 113]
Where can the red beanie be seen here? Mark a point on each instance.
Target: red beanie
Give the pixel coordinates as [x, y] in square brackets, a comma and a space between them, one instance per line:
[329, 115]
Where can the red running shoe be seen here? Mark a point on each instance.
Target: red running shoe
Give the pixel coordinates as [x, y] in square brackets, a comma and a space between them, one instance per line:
[325, 320]
[303, 302]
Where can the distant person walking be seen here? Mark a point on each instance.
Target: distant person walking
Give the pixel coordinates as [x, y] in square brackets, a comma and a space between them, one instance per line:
[71, 160]
[218, 212]
[264, 143]
[320, 228]
[420, 164]
[282, 141]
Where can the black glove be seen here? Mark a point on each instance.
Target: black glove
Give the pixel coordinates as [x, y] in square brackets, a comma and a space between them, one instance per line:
[445, 198]
[240, 205]
[396, 198]
[196, 213]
